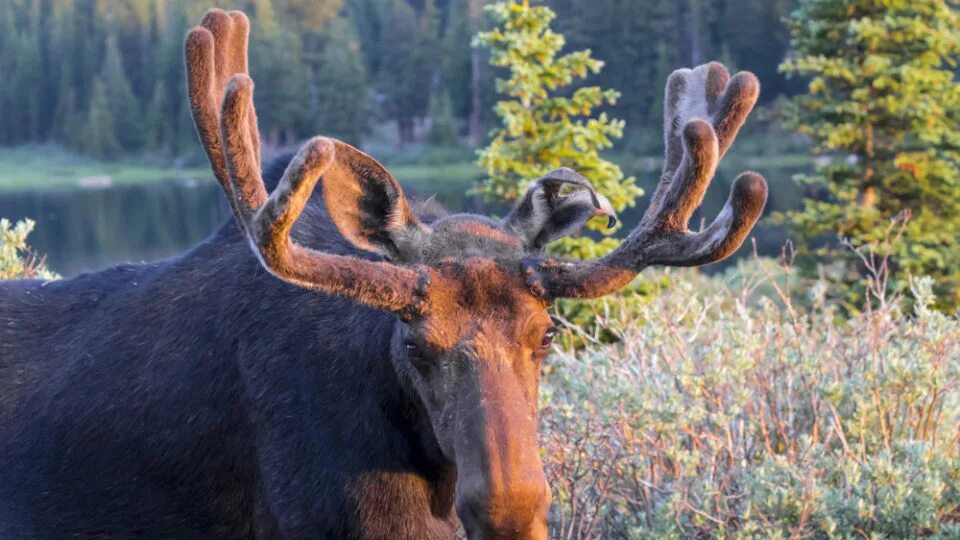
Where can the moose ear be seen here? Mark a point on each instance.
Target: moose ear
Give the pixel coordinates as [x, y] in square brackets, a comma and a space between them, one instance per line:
[544, 214]
[366, 203]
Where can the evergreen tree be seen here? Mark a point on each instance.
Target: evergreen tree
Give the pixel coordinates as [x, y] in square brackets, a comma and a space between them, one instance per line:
[884, 103]
[340, 86]
[408, 49]
[276, 56]
[545, 125]
[25, 81]
[156, 122]
[443, 129]
[123, 104]
[99, 137]
[172, 22]
[8, 98]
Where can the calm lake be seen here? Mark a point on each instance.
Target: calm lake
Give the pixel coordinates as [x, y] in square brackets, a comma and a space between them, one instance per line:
[85, 228]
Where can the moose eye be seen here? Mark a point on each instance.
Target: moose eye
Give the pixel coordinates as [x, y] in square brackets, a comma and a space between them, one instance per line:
[548, 337]
[413, 350]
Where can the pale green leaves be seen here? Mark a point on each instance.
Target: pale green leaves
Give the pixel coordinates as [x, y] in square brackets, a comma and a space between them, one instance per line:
[17, 261]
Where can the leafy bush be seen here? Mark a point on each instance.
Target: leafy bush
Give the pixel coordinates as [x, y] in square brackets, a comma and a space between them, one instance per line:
[16, 259]
[727, 411]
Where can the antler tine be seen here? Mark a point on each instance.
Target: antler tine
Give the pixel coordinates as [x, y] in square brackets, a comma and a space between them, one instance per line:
[221, 100]
[214, 52]
[717, 106]
[703, 112]
[269, 220]
[242, 148]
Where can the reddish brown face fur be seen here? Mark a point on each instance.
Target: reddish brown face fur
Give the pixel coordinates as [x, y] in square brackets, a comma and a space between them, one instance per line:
[474, 358]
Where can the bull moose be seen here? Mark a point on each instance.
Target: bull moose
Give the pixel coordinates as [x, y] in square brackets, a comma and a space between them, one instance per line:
[328, 364]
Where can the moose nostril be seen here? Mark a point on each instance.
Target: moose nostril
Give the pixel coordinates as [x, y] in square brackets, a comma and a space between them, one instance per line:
[510, 512]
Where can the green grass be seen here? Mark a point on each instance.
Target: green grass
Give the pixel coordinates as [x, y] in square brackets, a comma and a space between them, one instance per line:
[31, 167]
[36, 166]
[449, 176]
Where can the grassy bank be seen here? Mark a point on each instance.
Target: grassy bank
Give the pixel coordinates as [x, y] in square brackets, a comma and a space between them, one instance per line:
[38, 167]
[42, 166]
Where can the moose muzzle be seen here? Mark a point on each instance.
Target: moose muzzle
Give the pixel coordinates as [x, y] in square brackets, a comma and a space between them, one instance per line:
[501, 489]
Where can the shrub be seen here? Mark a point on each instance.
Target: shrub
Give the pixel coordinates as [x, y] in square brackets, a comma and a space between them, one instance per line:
[16, 259]
[735, 413]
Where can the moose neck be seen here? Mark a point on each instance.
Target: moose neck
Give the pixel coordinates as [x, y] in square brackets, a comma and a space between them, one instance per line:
[339, 403]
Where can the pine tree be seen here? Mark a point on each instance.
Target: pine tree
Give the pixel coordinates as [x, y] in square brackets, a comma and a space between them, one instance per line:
[545, 123]
[884, 103]
[123, 104]
[443, 129]
[276, 56]
[408, 48]
[340, 88]
[8, 59]
[25, 81]
[157, 121]
[99, 137]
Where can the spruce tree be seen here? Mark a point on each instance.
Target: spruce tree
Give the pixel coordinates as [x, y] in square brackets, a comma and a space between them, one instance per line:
[157, 120]
[443, 129]
[99, 137]
[276, 56]
[340, 88]
[8, 61]
[547, 124]
[884, 104]
[125, 110]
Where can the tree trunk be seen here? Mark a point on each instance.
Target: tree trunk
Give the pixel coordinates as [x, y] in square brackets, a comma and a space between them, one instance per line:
[475, 120]
[475, 127]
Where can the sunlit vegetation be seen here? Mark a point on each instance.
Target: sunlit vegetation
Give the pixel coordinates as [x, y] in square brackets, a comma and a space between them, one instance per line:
[883, 96]
[737, 406]
[17, 260]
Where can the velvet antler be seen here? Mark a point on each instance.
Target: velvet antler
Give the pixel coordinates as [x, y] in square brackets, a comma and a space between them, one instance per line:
[704, 109]
[216, 56]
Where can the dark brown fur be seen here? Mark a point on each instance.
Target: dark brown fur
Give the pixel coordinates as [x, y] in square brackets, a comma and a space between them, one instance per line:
[385, 386]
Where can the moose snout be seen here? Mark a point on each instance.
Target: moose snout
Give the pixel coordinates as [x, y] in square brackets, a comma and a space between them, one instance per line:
[501, 488]
[515, 510]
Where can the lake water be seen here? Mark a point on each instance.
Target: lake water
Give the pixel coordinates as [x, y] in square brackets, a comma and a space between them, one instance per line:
[81, 229]
[85, 228]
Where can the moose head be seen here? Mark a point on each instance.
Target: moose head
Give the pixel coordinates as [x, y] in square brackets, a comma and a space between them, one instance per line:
[471, 294]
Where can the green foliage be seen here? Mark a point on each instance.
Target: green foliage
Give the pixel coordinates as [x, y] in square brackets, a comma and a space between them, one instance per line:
[882, 91]
[98, 135]
[386, 56]
[729, 412]
[17, 261]
[443, 129]
[402, 51]
[341, 86]
[545, 125]
[642, 41]
[275, 56]
[125, 112]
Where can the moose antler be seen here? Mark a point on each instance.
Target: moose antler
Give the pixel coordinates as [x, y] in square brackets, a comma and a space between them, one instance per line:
[704, 109]
[216, 58]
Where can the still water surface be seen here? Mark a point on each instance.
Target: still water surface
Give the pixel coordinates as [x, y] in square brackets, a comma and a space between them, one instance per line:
[80, 229]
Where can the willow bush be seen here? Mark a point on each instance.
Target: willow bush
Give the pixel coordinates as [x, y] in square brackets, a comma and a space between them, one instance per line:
[17, 260]
[728, 411]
